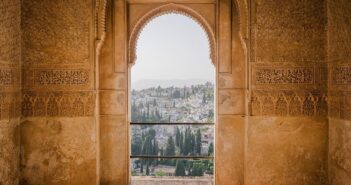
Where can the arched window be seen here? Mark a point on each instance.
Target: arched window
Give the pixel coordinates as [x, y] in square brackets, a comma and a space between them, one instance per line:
[172, 102]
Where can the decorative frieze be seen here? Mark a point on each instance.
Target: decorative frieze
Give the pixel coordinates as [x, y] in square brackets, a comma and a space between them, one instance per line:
[298, 75]
[288, 103]
[61, 77]
[341, 75]
[64, 104]
[340, 104]
[7, 77]
[9, 106]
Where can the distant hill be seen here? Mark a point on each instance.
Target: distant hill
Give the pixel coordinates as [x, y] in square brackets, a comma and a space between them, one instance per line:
[144, 84]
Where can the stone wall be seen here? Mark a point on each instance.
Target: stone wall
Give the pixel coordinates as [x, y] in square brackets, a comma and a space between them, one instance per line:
[10, 63]
[287, 131]
[58, 131]
[339, 58]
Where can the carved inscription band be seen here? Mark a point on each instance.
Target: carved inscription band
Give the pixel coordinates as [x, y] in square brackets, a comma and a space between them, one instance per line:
[284, 75]
[62, 77]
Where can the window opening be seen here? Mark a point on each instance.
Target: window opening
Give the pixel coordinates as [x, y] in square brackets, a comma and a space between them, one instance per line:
[172, 104]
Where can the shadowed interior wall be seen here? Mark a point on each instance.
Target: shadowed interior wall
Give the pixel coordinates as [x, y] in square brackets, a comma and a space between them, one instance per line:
[58, 132]
[287, 134]
[339, 58]
[10, 86]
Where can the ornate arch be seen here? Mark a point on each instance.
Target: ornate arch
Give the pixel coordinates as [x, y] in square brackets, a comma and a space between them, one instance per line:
[168, 9]
[100, 24]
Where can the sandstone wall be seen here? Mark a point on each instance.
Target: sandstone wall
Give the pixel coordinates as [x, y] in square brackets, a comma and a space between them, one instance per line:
[287, 132]
[339, 58]
[10, 64]
[58, 131]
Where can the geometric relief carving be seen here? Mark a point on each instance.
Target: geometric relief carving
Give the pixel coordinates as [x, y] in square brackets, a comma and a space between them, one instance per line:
[10, 39]
[63, 41]
[7, 77]
[61, 77]
[284, 75]
[295, 106]
[340, 104]
[288, 103]
[9, 106]
[65, 104]
[341, 75]
[267, 106]
[281, 108]
[308, 106]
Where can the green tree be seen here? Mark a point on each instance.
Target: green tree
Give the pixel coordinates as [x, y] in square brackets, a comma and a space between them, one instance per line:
[170, 148]
[180, 168]
[210, 149]
[181, 143]
[197, 169]
[178, 137]
[198, 142]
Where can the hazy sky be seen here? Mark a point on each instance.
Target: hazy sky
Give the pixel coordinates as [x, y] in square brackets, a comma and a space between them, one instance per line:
[172, 46]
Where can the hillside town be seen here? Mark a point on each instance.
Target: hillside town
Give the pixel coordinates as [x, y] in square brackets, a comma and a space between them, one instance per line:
[175, 105]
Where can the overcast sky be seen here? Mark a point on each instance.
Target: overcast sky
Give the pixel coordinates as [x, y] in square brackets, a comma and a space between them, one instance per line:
[172, 46]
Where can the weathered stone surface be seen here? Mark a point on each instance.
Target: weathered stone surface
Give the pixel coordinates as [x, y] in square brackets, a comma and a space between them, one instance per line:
[289, 151]
[58, 151]
[231, 102]
[339, 152]
[114, 158]
[9, 152]
[113, 102]
[339, 57]
[10, 72]
[229, 151]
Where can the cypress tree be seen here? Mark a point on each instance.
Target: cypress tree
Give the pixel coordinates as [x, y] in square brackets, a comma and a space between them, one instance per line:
[170, 148]
[198, 142]
[210, 149]
[180, 169]
[177, 137]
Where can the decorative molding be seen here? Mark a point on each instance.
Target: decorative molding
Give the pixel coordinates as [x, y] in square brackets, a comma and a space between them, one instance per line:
[288, 103]
[100, 24]
[55, 104]
[167, 9]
